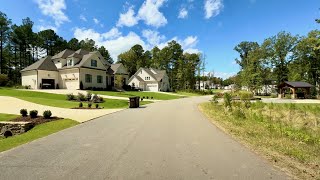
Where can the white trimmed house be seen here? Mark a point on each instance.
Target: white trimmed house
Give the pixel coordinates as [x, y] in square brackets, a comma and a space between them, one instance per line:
[150, 79]
[73, 70]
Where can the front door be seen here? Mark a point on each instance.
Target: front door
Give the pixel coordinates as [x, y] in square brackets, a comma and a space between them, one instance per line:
[112, 81]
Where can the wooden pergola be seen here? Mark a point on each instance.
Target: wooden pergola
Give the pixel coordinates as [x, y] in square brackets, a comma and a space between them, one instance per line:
[294, 86]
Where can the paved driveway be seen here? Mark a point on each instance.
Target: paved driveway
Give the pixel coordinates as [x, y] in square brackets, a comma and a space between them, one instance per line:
[165, 140]
[11, 105]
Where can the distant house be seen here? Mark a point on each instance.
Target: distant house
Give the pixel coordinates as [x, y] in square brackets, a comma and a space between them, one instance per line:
[150, 79]
[73, 70]
[206, 85]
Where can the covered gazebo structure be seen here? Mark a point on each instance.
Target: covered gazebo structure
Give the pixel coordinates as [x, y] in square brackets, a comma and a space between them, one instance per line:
[298, 89]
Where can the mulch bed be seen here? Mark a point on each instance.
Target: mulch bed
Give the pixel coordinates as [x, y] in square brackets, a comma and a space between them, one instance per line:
[36, 121]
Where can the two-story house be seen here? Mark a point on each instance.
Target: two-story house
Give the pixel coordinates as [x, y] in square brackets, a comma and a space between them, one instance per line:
[69, 69]
[150, 79]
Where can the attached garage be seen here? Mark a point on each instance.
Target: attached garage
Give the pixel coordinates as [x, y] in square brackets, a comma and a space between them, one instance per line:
[48, 84]
[152, 87]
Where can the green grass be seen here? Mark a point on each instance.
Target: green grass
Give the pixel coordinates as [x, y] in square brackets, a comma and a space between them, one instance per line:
[7, 117]
[288, 134]
[59, 100]
[39, 131]
[189, 94]
[155, 95]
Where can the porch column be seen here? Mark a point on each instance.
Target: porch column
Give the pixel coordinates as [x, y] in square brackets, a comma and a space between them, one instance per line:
[294, 95]
[280, 95]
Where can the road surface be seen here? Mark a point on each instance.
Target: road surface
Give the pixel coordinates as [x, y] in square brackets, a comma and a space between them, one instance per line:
[165, 140]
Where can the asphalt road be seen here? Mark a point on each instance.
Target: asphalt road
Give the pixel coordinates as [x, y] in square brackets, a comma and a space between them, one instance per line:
[165, 140]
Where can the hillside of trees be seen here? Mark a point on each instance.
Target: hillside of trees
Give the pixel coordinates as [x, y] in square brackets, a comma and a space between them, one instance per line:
[283, 57]
[20, 46]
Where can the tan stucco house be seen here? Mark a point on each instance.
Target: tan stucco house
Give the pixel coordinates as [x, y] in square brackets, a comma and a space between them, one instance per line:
[73, 70]
[150, 79]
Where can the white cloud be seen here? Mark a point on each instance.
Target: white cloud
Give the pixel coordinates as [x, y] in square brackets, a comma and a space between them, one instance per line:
[115, 44]
[153, 37]
[54, 9]
[43, 27]
[128, 18]
[190, 41]
[224, 75]
[96, 21]
[83, 18]
[212, 8]
[150, 14]
[183, 13]
[113, 33]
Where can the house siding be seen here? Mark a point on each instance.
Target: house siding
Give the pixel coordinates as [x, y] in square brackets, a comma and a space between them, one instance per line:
[69, 79]
[29, 78]
[94, 73]
[48, 75]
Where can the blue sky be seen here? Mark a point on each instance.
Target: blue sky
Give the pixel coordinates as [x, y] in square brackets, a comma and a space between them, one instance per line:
[213, 27]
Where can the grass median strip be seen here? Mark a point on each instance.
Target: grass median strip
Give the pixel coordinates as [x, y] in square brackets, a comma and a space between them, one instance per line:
[37, 132]
[155, 95]
[287, 134]
[59, 100]
[7, 117]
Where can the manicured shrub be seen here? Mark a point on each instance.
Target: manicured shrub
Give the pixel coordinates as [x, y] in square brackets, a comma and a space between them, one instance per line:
[70, 97]
[33, 114]
[89, 96]
[81, 85]
[80, 105]
[47, 114]
[81, 97]
[89, 105]
[147, 97]
[57, 86]
[151, 97]
[23, 112]
[97, 106]
[3, 80]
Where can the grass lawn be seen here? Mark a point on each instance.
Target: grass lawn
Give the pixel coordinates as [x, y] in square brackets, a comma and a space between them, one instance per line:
[187, 93]
[286, 134]
[7, 117]
[59, 100]
[39, 131]
[155, 95]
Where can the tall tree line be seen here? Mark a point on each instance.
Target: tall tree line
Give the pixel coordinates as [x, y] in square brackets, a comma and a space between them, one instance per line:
[283, 57]
[180, 66]
[20, 46]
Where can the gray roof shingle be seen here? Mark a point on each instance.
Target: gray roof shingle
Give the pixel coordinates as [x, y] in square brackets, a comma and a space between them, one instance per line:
[298, 84]
[42, 64]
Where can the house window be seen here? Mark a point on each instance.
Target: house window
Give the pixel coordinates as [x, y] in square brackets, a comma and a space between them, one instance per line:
[88, 78]
[147, 78]
[94, 63]
[70, 62]
[99, 79]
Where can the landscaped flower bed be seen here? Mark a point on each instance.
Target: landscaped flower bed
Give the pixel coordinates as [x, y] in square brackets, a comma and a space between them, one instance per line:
[38, 120]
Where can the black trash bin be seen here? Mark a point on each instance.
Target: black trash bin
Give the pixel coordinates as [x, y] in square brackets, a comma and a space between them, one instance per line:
[134, 102]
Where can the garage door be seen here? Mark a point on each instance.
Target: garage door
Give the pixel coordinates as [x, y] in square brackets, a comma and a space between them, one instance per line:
[72, 85]
[152, 87]
[47, 84]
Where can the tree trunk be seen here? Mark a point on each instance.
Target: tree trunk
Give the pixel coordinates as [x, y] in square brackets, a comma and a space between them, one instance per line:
[1, 55]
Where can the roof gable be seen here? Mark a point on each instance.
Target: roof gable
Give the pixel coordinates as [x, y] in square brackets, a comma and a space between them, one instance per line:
[63, 54]
[42, 64]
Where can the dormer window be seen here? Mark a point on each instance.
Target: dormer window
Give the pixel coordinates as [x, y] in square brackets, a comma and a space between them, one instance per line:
[94, 63]
[147, 78]
[70, 62]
